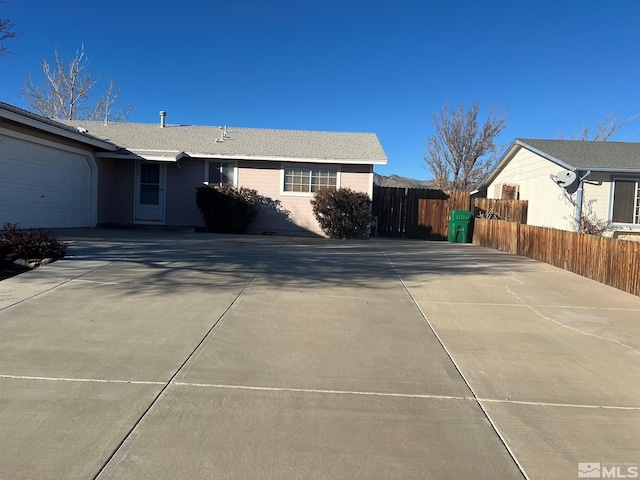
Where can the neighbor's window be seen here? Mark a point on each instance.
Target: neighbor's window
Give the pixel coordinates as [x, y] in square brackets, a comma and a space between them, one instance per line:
[510, 192]
[221, 173]
[309, 180]
[626, 201]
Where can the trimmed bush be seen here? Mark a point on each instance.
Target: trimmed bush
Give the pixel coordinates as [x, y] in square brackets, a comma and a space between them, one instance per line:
[342, 213]
[227, 209]
[30, 244]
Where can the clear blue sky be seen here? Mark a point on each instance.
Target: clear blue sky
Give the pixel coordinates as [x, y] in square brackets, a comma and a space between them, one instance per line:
[350, 65]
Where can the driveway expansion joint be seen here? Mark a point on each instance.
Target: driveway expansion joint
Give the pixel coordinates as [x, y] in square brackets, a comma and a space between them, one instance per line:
[186, 361]
[551, 404]
[323, 391]
[458, 369]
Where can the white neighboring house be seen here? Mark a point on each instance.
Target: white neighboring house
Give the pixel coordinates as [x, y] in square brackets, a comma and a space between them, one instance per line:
[607, 181]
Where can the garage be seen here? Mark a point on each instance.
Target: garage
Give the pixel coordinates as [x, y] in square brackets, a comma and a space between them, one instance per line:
[48, 173]
[41, 186]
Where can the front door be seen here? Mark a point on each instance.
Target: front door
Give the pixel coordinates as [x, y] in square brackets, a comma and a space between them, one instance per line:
[150, 183]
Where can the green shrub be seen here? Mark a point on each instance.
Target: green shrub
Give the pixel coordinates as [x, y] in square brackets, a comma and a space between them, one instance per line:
[227, 209]
[342, 213]
[33, 243]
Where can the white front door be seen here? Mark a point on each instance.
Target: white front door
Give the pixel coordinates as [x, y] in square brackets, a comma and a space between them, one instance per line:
[150, 185]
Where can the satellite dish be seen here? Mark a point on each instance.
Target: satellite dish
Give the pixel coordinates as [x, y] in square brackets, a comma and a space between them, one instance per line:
[566, 179]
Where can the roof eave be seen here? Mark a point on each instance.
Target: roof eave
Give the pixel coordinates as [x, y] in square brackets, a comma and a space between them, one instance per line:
[266, 158]
[549, 157]
[508, 155]
[610, 170]
[61, 132]
[276, 158]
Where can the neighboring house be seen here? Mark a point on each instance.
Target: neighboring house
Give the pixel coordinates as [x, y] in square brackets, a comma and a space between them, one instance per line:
[148, 173]
[606, 185]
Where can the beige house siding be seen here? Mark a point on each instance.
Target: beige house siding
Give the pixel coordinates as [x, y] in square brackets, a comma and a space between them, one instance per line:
[183, 178]
[115, 191]
[283, 213]
[530, 172]
[598, 195]
[358, 178]
[292, 213]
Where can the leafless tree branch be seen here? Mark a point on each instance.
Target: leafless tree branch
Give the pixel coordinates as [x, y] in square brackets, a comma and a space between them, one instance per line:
[462, 151]
[605, 128]
[7, 32]
[64, 91]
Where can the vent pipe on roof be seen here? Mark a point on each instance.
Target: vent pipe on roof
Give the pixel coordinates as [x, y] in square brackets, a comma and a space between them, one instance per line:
[163, 115]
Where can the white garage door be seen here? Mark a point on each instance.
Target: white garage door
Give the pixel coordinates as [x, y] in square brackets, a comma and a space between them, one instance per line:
[42, 186]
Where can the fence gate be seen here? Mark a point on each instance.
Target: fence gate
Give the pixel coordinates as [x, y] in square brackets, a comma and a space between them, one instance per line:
[415, 212]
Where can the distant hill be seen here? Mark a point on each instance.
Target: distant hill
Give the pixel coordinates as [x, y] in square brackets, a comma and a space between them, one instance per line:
[401, 182]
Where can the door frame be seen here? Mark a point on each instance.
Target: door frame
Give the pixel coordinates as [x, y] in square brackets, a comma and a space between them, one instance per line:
[162, 194]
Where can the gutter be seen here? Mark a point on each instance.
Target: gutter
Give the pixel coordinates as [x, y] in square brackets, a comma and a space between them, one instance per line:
[579, 197]
[61, 131]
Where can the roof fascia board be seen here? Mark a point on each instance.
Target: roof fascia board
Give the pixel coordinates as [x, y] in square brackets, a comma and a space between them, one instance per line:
[45, 127]
[133, 156]
[610, 170]
[551, 158]
[288, 159]
[238, 157]
[511, 151]
[500, 165]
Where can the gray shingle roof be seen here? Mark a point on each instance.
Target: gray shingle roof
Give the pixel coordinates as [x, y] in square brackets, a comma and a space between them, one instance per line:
[581, 155]
[24, 116]
[200, 141]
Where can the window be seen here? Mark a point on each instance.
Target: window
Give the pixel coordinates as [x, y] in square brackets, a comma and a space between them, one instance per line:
[309, 180]
[510, 192]
[220, 173]
[626, 201]
[149, 184]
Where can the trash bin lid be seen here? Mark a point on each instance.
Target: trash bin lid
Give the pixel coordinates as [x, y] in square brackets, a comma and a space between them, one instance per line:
[459, 215]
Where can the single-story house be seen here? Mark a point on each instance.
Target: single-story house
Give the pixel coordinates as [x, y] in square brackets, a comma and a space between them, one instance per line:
[81, 173]
[564, 179]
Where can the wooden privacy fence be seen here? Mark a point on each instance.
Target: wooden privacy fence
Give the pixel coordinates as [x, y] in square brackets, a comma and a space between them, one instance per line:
[607, 260]
[415, 212]
[510, 210]
[434, 214]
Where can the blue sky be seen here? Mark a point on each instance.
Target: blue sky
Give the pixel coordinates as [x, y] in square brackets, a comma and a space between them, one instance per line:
[351, 65]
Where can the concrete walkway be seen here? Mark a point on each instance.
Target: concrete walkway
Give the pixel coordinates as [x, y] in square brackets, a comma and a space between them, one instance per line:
[166, 355]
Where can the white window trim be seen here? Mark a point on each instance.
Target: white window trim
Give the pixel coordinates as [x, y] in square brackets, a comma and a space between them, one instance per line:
[213, 160]
[284, 166]
[632, 226]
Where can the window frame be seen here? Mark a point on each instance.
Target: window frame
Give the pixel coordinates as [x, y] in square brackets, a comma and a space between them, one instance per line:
[207, 170]
[636, 200]
[310, 167]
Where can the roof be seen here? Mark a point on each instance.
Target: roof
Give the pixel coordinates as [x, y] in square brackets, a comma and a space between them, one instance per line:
[620, 157]
[24, 117]
[172, 142]
[582, 155]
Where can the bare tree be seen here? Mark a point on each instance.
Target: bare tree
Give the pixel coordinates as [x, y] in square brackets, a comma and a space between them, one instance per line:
[106, 108]
[462, 151]
[64, 91]
[6, 32]
[605, 128]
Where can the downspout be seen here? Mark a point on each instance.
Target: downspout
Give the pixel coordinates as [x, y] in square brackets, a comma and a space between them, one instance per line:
[579, 200]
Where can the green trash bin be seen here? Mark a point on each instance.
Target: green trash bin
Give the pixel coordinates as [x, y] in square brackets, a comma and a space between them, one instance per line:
[459, 226]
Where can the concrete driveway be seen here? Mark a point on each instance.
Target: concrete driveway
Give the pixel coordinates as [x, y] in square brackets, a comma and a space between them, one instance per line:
[166, 355]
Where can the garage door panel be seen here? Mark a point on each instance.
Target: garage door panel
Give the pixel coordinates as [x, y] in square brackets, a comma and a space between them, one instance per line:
[42, 186]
